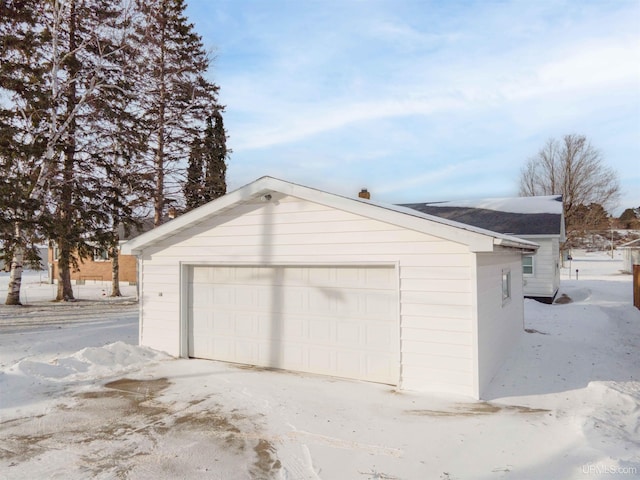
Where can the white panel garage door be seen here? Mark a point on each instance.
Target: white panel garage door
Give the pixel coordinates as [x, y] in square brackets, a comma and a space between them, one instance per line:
[331, 320]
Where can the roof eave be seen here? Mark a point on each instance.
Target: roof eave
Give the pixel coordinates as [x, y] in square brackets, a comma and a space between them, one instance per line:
[523, 245]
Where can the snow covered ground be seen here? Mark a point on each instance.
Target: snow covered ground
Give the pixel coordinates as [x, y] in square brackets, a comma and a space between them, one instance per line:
[79, 399]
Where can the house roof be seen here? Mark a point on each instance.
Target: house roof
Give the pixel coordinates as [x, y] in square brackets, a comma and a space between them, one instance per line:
[146, 224]
[478, 239]
[540, 215]
[632, 244]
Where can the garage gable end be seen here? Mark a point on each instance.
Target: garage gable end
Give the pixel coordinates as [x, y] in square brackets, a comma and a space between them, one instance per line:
[268, 189]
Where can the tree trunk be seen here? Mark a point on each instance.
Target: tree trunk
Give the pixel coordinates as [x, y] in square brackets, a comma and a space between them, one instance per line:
[66, 208]
[115, 272]
[159, 200]
[15, 278]
[65, 291]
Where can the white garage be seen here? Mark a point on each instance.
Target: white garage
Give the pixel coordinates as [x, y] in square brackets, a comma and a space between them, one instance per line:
[280, 275]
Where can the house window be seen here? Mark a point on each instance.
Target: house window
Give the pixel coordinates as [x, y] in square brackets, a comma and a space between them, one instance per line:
[101, 255]
[506, 285]
[527, 265]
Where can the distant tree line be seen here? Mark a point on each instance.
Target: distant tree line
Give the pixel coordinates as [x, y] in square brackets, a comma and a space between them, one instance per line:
[102, 103]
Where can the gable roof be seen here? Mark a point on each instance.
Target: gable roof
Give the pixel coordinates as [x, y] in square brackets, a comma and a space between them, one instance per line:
[477, 239]
[632, 244]
[540, 215]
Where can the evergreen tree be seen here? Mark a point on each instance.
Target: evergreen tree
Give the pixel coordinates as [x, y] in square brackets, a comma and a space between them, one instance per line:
[22, 137]
[91, 115]
[194, 184]
[215, 155]
[175, 96]
[630, 218]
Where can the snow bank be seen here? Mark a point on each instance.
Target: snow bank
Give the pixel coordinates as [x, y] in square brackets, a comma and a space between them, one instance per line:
[92, 362]
[34, 383]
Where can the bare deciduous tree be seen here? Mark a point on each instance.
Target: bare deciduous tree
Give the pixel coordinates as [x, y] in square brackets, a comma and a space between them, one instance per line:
[573, 168]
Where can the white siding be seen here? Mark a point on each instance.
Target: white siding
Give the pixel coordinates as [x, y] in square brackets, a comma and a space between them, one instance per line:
[500, 323]
[630, 257]
[435, 277]
[545, 280]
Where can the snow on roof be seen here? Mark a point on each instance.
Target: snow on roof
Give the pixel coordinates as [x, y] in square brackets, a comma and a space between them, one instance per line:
[540, 204]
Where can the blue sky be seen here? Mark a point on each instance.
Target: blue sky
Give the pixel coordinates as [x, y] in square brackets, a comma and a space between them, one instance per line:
[422, 100]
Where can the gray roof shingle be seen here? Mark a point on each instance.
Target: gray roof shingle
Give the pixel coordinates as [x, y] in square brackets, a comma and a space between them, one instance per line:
[501, 222]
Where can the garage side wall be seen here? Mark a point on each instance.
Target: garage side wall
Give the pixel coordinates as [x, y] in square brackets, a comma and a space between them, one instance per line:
[500, 320]
[434, 277]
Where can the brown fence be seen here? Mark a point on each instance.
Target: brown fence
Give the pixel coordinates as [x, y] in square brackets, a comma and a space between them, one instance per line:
[636, 285]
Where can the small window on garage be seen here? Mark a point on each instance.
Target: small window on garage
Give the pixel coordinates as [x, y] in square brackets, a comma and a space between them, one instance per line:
[506, 286]
[527, 265]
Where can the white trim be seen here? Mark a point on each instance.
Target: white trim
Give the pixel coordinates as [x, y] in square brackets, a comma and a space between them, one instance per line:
[475, 363]
[399, 324]
[183, 276]
[533, 266]
[139, 292]
[240, 263]
[548, 235]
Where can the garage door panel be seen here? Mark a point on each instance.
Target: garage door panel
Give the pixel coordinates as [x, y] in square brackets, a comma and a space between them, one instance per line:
[349, 362]
[321, 359]
[378, 367]
[339, 321]
[379, 337]
[293, 329]
[319, 331]
[349, 334]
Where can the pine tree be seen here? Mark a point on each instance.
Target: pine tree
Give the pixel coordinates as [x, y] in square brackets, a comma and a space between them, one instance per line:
[215, 155]
[22, 137]
[194, 184]
[86, 105]
[175, 96]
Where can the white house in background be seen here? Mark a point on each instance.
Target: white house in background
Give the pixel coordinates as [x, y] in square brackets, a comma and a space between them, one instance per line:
[281, 275]
[630, 255]
[539, 219]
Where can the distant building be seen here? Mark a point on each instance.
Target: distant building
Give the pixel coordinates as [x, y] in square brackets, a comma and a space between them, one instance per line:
[630, 255]
[98, 267]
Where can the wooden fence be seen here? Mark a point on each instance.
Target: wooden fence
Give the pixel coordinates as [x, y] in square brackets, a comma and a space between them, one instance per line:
[636, 285]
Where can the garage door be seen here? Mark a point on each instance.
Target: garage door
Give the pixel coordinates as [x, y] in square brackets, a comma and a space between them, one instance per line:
[332, 320]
